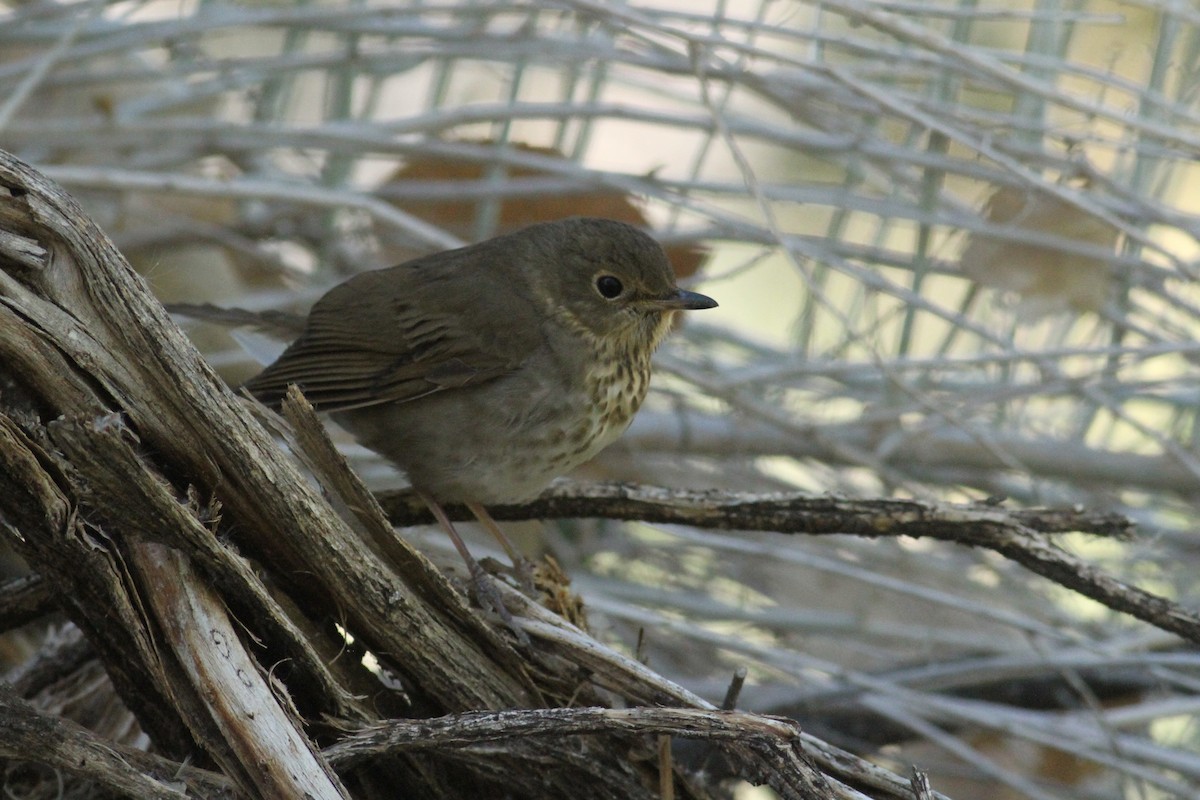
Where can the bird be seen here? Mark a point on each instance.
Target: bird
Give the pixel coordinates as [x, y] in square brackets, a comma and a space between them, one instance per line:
[487, 371]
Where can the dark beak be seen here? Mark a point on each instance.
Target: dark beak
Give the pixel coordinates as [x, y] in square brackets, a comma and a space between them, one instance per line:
[680, 300]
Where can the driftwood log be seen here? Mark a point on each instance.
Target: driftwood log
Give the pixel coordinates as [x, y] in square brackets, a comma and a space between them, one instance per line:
[279, 647]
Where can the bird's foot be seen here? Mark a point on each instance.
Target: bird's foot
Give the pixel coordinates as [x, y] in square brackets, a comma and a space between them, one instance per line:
[486, 595]
[524, 571]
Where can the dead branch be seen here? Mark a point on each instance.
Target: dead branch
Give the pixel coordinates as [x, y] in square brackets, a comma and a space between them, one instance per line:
[1018, 534]
[780, 513]
[23, 600]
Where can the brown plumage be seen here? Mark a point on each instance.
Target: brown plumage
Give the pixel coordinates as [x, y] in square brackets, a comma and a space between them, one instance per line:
[485, 372]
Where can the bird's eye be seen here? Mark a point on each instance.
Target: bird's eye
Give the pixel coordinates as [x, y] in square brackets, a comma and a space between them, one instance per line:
[609, 286]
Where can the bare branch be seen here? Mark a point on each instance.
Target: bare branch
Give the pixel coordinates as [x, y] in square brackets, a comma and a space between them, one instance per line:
[1018, 534]
[23, 600]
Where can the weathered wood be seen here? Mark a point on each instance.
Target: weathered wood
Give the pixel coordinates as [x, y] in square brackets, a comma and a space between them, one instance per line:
[86, 569]
[281, 763]
[23, 600]
[73, 749]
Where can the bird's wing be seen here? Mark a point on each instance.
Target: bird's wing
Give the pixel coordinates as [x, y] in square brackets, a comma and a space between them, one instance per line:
[393, 335]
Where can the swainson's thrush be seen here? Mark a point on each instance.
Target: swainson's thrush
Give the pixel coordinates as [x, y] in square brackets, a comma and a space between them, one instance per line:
[487, 371]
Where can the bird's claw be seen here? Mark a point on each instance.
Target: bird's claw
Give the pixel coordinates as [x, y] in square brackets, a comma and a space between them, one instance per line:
[487, 596]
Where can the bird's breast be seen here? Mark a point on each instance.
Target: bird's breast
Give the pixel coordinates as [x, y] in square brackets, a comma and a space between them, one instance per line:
[614, 385]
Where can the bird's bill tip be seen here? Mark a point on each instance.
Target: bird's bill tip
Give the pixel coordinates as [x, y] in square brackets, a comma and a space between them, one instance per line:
[683, 300]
